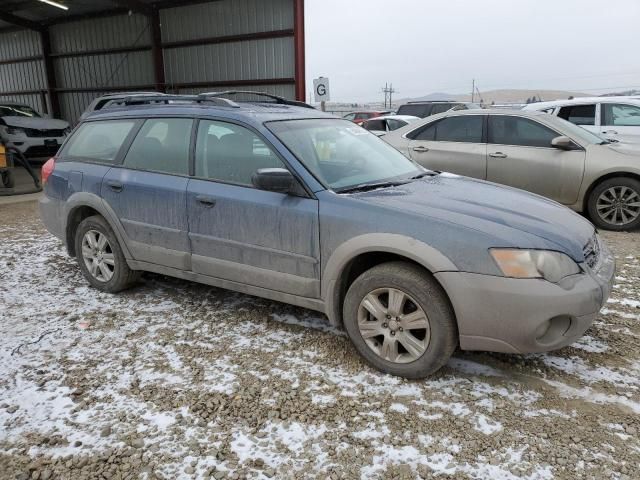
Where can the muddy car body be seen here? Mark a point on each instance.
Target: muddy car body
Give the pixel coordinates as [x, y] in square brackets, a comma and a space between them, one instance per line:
[285, 204]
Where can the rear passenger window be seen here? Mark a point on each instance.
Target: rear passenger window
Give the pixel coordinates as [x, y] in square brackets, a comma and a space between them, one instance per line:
[426, 133]
[98, 141]
[162, 145]
[231, 153]
[467, 128]
[579, 114]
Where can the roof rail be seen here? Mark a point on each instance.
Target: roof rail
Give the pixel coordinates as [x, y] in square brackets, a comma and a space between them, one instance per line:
[276, 98]
[166, 99]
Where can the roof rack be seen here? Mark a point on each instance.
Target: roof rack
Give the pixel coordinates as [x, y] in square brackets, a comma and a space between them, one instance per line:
[166, 99]
[277, 99]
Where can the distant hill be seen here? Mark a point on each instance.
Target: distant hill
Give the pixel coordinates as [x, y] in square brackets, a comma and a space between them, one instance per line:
[502, 96]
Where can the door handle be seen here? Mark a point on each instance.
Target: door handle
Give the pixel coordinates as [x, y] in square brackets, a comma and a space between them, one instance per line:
[115, 186]
[420, 149]
[610, 132]
[498, 155]
[206, 200]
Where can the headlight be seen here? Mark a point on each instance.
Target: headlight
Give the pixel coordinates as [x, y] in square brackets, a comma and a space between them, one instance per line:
[15, 131]
[552, 266]
[67, 131]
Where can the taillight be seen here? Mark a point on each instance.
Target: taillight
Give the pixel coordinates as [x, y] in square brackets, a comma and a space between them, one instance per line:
[47, 169]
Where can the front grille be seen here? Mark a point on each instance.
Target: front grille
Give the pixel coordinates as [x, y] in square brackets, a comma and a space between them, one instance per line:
[592, 252]
[41, 151]
[34, 132]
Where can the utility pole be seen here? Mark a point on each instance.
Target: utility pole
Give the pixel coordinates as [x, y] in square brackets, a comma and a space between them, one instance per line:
[388, 91]
[473, 90]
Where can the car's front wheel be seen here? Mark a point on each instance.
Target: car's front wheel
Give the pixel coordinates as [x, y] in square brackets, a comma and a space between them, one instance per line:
[615, 204]
[400, 320]
[100, 257]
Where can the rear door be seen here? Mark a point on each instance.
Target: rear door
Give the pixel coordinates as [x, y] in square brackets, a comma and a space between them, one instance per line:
[520, 154]
[88, 155]
[620, 121]
[452, 144]
[148, 192]
[240, 233]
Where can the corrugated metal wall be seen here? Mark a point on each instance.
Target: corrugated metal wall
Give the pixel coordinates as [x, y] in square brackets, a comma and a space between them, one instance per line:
[217, 45]
[103, 70]
[23, 75]
[244, 60]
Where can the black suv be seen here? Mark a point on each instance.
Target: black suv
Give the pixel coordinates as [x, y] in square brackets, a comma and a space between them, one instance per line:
[426, 108]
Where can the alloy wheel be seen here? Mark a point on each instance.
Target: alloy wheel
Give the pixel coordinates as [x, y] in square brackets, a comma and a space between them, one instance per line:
[98, 255]
[618, 205]
[393, 325]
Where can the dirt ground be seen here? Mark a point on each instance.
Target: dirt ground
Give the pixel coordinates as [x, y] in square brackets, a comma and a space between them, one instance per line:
[177, 380]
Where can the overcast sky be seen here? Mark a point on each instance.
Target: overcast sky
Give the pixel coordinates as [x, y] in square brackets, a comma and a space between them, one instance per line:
[426, 46]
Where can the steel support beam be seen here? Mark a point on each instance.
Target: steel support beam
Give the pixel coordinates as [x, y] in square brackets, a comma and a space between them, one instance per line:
[156, 50]
[298, 38]
[20, 22]
[50, 73]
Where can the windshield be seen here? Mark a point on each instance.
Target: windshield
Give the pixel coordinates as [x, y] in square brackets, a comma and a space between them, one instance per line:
[17, 111]
[343, 155]
[582, 135]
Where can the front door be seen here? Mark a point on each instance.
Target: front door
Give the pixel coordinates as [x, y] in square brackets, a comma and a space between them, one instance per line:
[519, 154]
[240, 233]
[453, 144]
[148, 192]
[620, 122]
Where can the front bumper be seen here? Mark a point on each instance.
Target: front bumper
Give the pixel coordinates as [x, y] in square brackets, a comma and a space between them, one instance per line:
[527, 315]
[35, 146]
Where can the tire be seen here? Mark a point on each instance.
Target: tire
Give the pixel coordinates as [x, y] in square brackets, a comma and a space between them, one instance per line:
[617, 191]
[7, 179]
[421, 291]
[110, 260]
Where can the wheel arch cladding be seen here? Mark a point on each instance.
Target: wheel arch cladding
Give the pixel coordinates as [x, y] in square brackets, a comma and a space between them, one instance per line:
[83, 205]
[359, 254]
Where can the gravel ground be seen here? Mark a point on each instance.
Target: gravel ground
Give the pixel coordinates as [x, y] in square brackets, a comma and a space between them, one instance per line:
[178, 380]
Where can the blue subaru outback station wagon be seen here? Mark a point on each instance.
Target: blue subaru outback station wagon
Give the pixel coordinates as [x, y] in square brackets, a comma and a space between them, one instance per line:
[278, 200]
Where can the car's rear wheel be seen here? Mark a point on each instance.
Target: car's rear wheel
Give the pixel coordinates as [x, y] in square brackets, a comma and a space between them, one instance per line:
[400, 320]
[615, 204]
[100, 257]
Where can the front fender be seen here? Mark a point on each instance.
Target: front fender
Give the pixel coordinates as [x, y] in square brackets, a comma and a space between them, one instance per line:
[410, 248]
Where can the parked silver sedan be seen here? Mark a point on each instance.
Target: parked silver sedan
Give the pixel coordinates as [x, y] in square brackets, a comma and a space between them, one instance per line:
[533, 151]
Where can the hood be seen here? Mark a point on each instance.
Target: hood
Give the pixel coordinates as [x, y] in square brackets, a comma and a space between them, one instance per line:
[37, 123]
[513, 217]
[624, 148]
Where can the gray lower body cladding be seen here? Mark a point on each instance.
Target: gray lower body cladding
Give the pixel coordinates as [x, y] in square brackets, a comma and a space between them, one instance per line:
[526, 315]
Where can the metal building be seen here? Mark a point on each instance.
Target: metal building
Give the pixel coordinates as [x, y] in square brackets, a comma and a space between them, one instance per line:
[58, 60]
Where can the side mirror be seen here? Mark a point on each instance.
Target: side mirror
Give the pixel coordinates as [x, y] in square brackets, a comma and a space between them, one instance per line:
[273, 180]
[562, 143]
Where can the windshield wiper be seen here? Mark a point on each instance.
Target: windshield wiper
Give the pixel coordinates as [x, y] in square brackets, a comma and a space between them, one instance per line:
[363, 187]
[429, 173]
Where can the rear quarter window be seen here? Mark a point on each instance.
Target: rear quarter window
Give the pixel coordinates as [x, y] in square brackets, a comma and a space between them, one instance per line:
[98, 141]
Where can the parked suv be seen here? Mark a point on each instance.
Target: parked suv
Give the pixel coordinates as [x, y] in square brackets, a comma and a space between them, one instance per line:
[427, 108]
[24, 129]
[295, 205]
[614, 118]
